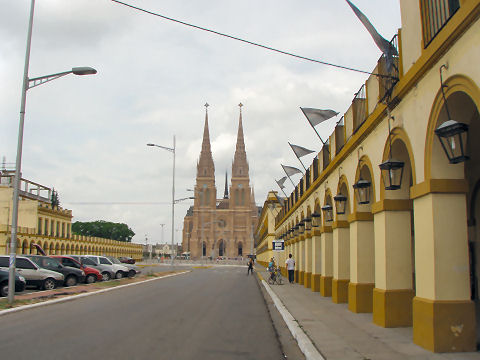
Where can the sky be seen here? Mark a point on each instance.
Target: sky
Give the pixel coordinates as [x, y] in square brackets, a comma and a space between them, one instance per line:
[86, 136]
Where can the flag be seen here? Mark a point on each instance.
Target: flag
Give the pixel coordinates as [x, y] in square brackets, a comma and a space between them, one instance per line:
[281, 182]
[317, 116]
[300, 151]
[290, 170]
[279, 199]
[383, 44]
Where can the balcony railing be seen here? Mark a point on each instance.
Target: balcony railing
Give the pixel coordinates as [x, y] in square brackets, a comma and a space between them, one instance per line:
[435, 14]
[359, 108]
[388, 68]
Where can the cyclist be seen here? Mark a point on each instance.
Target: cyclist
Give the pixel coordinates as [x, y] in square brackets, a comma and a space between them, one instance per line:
[271, 269]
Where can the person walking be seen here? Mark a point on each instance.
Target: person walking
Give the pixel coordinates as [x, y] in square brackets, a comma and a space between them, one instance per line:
[290, 263]
[250, 266]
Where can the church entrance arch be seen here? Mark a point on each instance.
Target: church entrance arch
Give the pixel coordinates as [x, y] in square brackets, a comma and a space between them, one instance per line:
[240, 249]
[204, 249]
[221, 248]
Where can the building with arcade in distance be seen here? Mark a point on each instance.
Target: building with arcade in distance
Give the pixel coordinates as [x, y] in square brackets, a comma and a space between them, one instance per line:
[48, 226]
[221, 227]
[385, 218]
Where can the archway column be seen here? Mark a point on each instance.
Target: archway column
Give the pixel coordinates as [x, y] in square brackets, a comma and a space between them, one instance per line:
[316, 260]
[393, 292]
[327, 261]
[443, 314]
[307, 278]
[301, 260]
[296, 255]
[362, 263]
[341, 261]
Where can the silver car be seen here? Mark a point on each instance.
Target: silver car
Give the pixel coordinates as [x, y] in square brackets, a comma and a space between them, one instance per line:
[33, 274]
[119, 270]
[106, 271]
[132, 269]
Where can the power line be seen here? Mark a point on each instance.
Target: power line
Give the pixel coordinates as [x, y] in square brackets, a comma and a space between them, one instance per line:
[247, 41]
[117, 203]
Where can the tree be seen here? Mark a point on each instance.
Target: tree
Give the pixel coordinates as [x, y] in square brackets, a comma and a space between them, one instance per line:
[103, 229]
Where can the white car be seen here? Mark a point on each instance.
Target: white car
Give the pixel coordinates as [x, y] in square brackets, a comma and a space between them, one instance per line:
[119, 270]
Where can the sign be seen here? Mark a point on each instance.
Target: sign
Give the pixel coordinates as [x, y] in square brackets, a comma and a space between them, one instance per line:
[278, 245]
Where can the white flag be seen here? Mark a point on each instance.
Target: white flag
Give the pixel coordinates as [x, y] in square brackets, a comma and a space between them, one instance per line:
[281, 182]
[290, 170]
[300, 151]
[317, 116]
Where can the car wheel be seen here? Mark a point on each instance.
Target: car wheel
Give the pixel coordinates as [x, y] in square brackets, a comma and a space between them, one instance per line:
[118, 275]
[4, 289]
[106, 276]
[131, 273]
[90, 279]
[71, 280]
[49, 284]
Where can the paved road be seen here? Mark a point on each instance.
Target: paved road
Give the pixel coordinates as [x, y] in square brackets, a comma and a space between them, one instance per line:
[217, 313]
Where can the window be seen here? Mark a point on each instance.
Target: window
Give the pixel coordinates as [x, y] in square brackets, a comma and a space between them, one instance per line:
[4, 261]
[25, 264]
[105, 261]
[39, 230]
[52, 227]
[45, 229]
[435, 14]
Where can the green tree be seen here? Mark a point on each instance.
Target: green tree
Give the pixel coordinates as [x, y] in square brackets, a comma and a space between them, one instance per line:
[103, 229]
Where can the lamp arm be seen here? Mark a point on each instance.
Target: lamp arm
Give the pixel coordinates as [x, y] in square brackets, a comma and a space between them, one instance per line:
[43, 79]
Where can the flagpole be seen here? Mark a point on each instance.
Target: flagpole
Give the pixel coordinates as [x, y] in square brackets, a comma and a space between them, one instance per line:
[316, 132]
[288, 177]
[281, 188]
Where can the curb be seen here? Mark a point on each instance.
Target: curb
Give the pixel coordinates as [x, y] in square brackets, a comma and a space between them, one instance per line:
[73, 297]
[304, 342]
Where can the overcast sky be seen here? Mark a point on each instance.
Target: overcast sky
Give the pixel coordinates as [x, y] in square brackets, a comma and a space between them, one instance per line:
[86, 136]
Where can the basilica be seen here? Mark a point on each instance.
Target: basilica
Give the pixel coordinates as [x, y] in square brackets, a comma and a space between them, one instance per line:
[221, 227]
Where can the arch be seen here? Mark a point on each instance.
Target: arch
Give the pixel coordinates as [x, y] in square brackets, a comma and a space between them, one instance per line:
[62, 250]
[454, 84]
[52, 249]
[240, 249]
[57, 249]
[365, 169]
[24, 246]
[221, 248]
[403, 151]
[204, 248]
[344, 189]
[32, 248]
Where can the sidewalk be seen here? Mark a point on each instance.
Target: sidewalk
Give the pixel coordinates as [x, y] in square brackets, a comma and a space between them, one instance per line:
[338, 333]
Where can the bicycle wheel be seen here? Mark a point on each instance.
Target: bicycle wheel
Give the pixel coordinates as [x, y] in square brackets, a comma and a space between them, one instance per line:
[279, 279]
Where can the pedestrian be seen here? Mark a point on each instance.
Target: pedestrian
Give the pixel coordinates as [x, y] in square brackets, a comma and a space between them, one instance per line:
[290, 263]
[271, 268]
[250, 266]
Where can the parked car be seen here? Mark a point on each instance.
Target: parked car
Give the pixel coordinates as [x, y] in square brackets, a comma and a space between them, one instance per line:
[20, 283]
[119, 270]
[132, 269]
[34, 275]
[106, 270]
[91, 274]
[72, 275]
[126, 260]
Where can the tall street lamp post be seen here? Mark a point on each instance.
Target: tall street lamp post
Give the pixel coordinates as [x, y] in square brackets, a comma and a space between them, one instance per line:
[28, 83]
[172, 150]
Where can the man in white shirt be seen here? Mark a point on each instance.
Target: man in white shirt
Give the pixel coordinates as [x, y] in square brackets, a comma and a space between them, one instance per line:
[290, 263]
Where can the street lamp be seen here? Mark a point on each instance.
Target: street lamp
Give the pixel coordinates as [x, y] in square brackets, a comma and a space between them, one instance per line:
[172, 150]
[28, 83]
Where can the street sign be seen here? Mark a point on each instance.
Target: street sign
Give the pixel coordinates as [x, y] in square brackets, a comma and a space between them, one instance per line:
[278, 245]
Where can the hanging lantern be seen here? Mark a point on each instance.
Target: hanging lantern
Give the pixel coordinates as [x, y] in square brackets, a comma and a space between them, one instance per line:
[340, 203]
[362, 190]
[392, 173]
[301, 227]
[295, 230]
[328, 212]
[316, 220]
[453, 137]
[308, 224]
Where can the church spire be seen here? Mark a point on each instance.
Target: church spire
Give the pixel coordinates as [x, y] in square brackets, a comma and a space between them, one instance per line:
[225, 194]
[240, 164]
[205, 166]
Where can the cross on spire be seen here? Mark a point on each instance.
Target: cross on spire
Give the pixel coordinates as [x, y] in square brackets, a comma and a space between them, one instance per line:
[206, 106]
[240, 106]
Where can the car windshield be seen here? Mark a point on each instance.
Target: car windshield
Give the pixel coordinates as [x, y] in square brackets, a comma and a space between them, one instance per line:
[87, 261]
[114, 260]
[92, 259]
[45, 261]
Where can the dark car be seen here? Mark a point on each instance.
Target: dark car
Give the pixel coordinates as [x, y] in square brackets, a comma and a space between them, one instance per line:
[20, 283]
[91, 274]
[72, 275]
[126, 260]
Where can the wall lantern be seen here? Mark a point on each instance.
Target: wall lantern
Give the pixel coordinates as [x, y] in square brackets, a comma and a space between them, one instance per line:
[328, 212]
[362, 191]
[295, 230]
[301, 227]
[308, 224]
[452, 134]
[316, 220]
[392, 169]
[340, 203]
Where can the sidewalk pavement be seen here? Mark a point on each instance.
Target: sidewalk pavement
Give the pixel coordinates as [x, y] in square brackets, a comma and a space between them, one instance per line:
[338, 333]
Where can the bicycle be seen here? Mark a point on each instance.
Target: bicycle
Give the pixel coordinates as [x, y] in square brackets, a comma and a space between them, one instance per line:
[275, 277]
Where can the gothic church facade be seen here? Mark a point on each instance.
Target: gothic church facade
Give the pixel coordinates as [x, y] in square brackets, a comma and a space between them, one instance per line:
[221, 227]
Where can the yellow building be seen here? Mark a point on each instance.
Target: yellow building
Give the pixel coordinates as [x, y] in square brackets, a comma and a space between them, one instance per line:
[50, 227]
[402, 242]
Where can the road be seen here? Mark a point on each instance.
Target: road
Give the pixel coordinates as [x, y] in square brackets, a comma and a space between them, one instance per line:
[216, 313]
